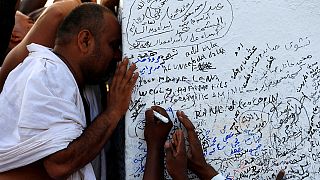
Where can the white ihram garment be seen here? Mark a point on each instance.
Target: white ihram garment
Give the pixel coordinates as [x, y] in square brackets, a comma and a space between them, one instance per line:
[41, 111]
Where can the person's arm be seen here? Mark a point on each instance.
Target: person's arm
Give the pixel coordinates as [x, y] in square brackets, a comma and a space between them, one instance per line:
[27, 6]
[33, 171]
[84, 149]
[155, 134]
[43, 32]
[196, 161]
[176, 156]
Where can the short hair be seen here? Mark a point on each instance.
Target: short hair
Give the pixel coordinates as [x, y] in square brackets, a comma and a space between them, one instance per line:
[86, 16]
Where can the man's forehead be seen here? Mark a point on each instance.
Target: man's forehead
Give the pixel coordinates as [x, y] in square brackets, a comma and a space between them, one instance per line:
[112, 21]
[112, 26]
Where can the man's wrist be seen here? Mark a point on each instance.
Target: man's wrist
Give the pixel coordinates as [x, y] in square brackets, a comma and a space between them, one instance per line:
[155, 147]
[111, 117]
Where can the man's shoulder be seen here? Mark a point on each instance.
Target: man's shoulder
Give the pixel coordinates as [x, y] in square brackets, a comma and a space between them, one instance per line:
[57, 78]
[55, 70]
[45, 72]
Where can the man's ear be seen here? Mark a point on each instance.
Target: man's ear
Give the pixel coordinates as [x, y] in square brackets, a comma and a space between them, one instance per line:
[85, 41]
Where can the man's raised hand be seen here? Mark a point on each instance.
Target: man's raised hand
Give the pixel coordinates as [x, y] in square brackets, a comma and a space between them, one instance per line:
[196, 160]
[119, 95]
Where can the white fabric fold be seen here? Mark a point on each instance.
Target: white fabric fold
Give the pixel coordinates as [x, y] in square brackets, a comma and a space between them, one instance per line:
[41, 111]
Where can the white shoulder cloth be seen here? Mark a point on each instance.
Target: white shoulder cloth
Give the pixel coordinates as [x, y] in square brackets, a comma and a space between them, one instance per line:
[41, 111]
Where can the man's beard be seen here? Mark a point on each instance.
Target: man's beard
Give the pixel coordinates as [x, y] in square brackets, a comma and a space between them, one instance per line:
[109, 73]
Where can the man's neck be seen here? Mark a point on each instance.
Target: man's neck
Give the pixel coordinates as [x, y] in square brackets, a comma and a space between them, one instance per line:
[73, 67]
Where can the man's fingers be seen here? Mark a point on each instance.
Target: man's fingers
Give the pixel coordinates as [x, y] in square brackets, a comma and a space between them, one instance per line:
[121, 71]
[130, 85]
[168, 150]
[180, 142]
[175, 140]
[149, 116]
[280, 175]
[129, 73]
[124, 78]
[133, 80]
[185, 121]
[194, 141]
[123, 68]
[195, 144]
